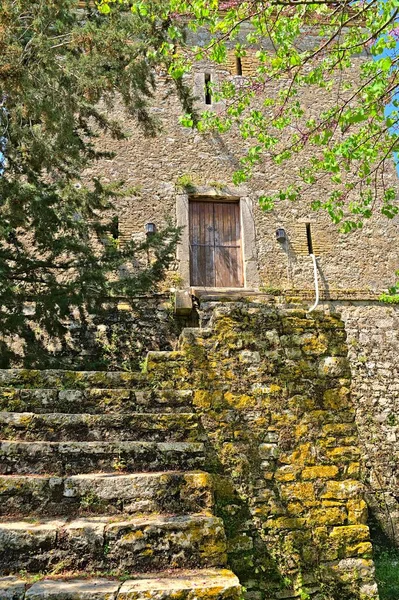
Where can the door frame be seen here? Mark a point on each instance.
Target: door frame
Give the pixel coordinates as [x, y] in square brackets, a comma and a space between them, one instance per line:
[248, 237]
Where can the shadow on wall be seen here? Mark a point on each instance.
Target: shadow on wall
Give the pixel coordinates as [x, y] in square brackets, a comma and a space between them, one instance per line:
[116, 338]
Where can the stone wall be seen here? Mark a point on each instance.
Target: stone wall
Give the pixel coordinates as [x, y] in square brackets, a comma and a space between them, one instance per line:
[118, 338]
[373, 342]
[272, 386]
[181, 159]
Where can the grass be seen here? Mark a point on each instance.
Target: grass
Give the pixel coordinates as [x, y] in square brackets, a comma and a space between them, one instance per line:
[387, 573]
[386, 560]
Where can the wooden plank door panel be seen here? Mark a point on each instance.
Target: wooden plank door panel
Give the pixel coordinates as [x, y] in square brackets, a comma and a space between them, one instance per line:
[215, 244]
[228, 263]
[202, 244]
[228, 267]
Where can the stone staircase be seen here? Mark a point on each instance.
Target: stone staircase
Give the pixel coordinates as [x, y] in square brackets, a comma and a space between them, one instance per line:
[238, 450]
[104, 492]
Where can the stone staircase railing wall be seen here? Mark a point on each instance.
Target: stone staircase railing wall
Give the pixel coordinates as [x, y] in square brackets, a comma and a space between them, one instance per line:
[272, 386]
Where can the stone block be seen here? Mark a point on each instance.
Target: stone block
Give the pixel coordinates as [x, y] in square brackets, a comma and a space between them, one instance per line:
[287, 473]
[349, 570]
[334, 366]
[183, 303]
[12, 588]
[212, 584]
[350, 534]
[327, 516]
[357, 512]
[342, 490]
[158, 542]
[342, 454]
[76, 589]
[84, 538]
[302, 491]
[320, 472]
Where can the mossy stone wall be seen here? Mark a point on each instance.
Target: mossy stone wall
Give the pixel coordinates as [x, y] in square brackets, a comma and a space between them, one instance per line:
[273, 388]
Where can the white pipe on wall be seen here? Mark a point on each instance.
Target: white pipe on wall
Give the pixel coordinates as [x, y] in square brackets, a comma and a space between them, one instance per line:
[316, 283]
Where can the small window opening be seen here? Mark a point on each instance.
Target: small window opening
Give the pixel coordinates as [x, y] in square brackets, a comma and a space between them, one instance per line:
[309, 238]
[208, 94]
[114, 229]
[238, 66]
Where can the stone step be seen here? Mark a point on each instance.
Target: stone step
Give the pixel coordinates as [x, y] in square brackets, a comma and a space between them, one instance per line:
[138, 543]
[166, 492]
[72, 458]
[212, 584]
[54, 427]
[94, 400]
[173, 359]
[61, 379]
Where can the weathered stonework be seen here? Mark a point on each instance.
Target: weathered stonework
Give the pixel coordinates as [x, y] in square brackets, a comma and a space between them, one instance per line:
[246, 434]
[273, 389]
[181, 163]
[373, 342]
[117, 339]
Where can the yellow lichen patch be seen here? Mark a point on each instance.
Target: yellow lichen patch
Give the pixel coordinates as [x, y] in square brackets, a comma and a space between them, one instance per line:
[314, 345]
[337, 398]
[262, 511]
[240, 402]
[229, 374]
[133, 536]
[363, 549]
[296, 508]
[274, 389]
[342, 490]
[343, 453]
[320, 472]
[260, 423]
[286, 473]
[301, 431]
[285, 523]
[304, 492]
[283, 419]
[202, 399]
[350, 534]
[199, 480]
[324, 443]
[339, 429]
[317, 417]
[357, 512]
[303, 455]
[327, 516]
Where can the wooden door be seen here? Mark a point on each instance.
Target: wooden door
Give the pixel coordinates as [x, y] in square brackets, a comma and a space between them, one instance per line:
[215, 244]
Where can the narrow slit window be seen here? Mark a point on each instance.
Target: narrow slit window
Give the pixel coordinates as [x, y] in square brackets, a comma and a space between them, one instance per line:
[208, 94]
[115, 227]
[238, 66]
[309, 238]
